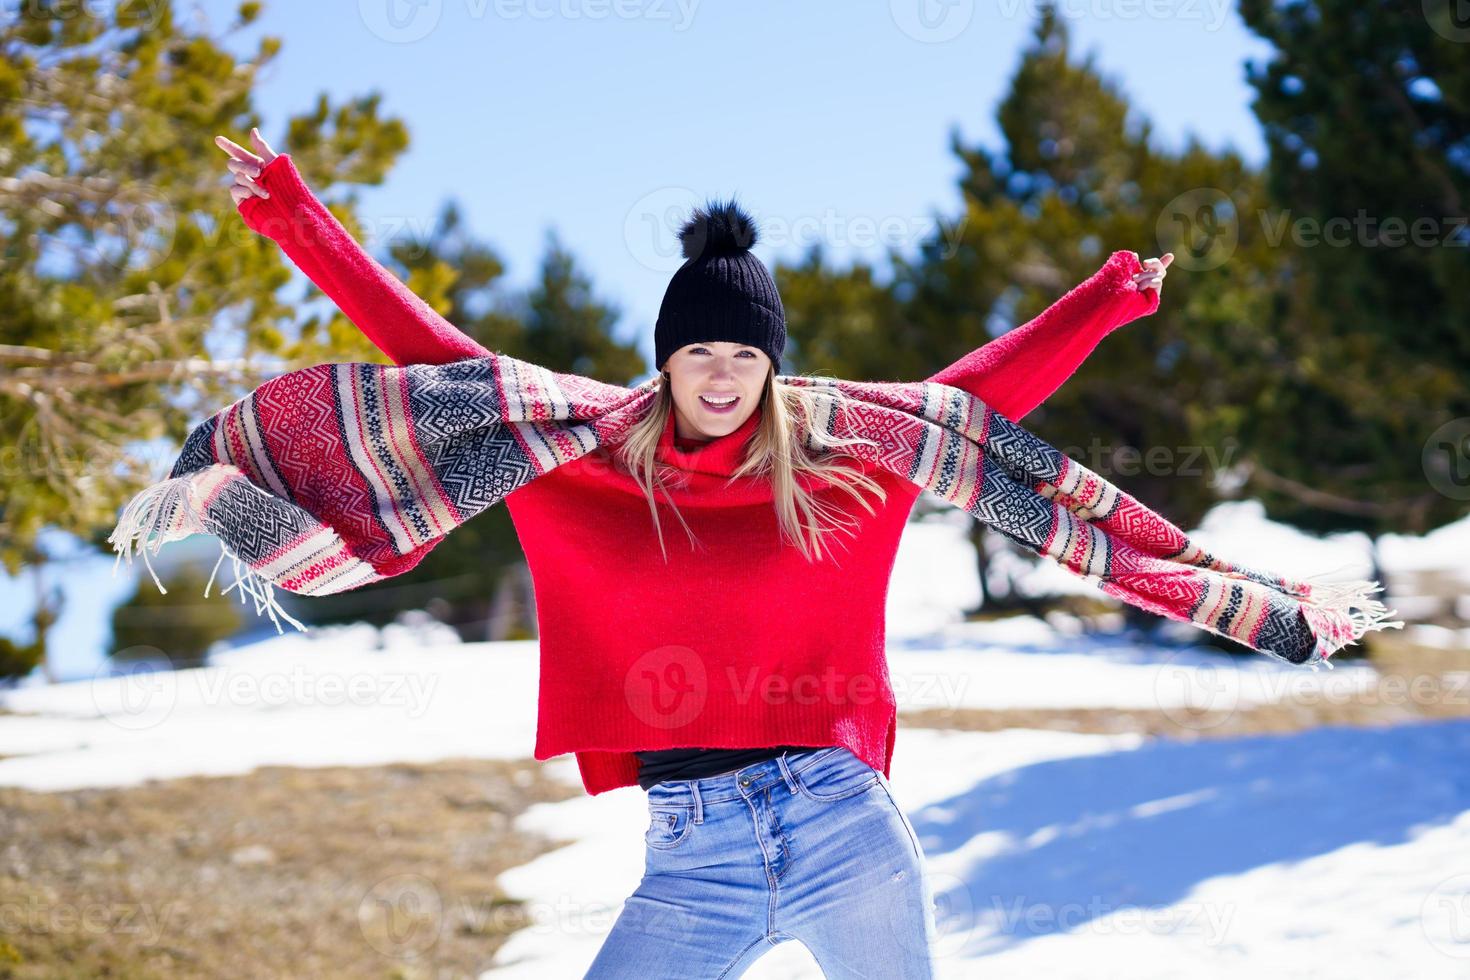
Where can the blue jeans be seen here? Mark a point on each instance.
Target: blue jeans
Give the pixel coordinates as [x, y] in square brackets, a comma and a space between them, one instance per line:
[807, 845]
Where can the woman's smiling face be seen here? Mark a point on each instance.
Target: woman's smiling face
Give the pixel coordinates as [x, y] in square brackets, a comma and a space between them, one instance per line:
[703, 379]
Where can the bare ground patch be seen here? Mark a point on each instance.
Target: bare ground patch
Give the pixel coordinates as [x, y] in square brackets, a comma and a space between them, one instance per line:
[384, 871]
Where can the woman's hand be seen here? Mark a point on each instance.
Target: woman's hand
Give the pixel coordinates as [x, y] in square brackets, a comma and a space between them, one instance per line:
[246, 166]
[1152, 276]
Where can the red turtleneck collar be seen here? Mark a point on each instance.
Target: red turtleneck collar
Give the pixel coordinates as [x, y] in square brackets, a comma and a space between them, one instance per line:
[720, 456]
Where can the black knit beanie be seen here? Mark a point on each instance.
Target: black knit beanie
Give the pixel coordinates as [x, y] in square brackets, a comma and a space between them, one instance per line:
[721, 292]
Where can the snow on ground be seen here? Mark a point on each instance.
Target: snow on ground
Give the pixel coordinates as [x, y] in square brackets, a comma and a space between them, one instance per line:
[325, 698]
[331, 697]
[1053, 854]
[1323, 853]
[1334, 852]
[1023, 662]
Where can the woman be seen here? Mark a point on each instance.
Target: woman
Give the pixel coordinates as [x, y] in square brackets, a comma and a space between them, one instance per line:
[740, 680]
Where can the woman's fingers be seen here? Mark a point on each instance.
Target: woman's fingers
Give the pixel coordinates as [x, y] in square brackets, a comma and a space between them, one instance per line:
[245, 175]
[246, 167]
[261, 145]
[236, 151]
[265, 155]
[251, 185]
[1154, 271]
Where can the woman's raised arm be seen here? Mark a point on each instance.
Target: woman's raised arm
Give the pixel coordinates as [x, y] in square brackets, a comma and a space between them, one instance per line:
[403, 326]
[1021, 368]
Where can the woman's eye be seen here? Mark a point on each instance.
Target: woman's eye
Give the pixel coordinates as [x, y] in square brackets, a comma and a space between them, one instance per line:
[706, 350]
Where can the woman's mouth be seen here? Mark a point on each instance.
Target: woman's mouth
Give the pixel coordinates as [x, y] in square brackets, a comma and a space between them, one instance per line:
[719, 404]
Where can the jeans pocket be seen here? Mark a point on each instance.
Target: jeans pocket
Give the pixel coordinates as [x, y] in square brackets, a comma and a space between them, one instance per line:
[835, 776]
[668, 826]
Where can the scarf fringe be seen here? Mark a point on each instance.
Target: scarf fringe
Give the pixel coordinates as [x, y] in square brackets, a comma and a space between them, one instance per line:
[255, 586]
[165, 512]
[157, 515]
[1342, 613]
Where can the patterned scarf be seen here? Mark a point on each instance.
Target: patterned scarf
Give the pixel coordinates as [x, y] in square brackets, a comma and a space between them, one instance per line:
[332, 477]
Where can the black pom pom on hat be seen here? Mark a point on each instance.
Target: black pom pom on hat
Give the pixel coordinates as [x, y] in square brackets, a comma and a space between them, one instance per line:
[722, 291]
[718, 229]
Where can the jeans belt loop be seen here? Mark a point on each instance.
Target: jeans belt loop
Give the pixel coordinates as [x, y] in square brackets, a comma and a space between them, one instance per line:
[786, 772]
[698, 802]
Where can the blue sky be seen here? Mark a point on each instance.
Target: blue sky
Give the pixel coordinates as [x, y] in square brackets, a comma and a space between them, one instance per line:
[606, 119]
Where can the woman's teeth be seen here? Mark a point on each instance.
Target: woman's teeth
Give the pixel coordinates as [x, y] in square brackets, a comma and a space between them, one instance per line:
[719, 403]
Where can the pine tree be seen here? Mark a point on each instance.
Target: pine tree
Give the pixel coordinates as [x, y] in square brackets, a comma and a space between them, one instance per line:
[133, 300]
[1366, 109]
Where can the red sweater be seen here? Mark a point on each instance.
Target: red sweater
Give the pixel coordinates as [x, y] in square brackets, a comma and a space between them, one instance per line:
[743, 642]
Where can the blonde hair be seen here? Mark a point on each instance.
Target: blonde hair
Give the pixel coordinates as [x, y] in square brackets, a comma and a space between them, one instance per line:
[777, 450]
